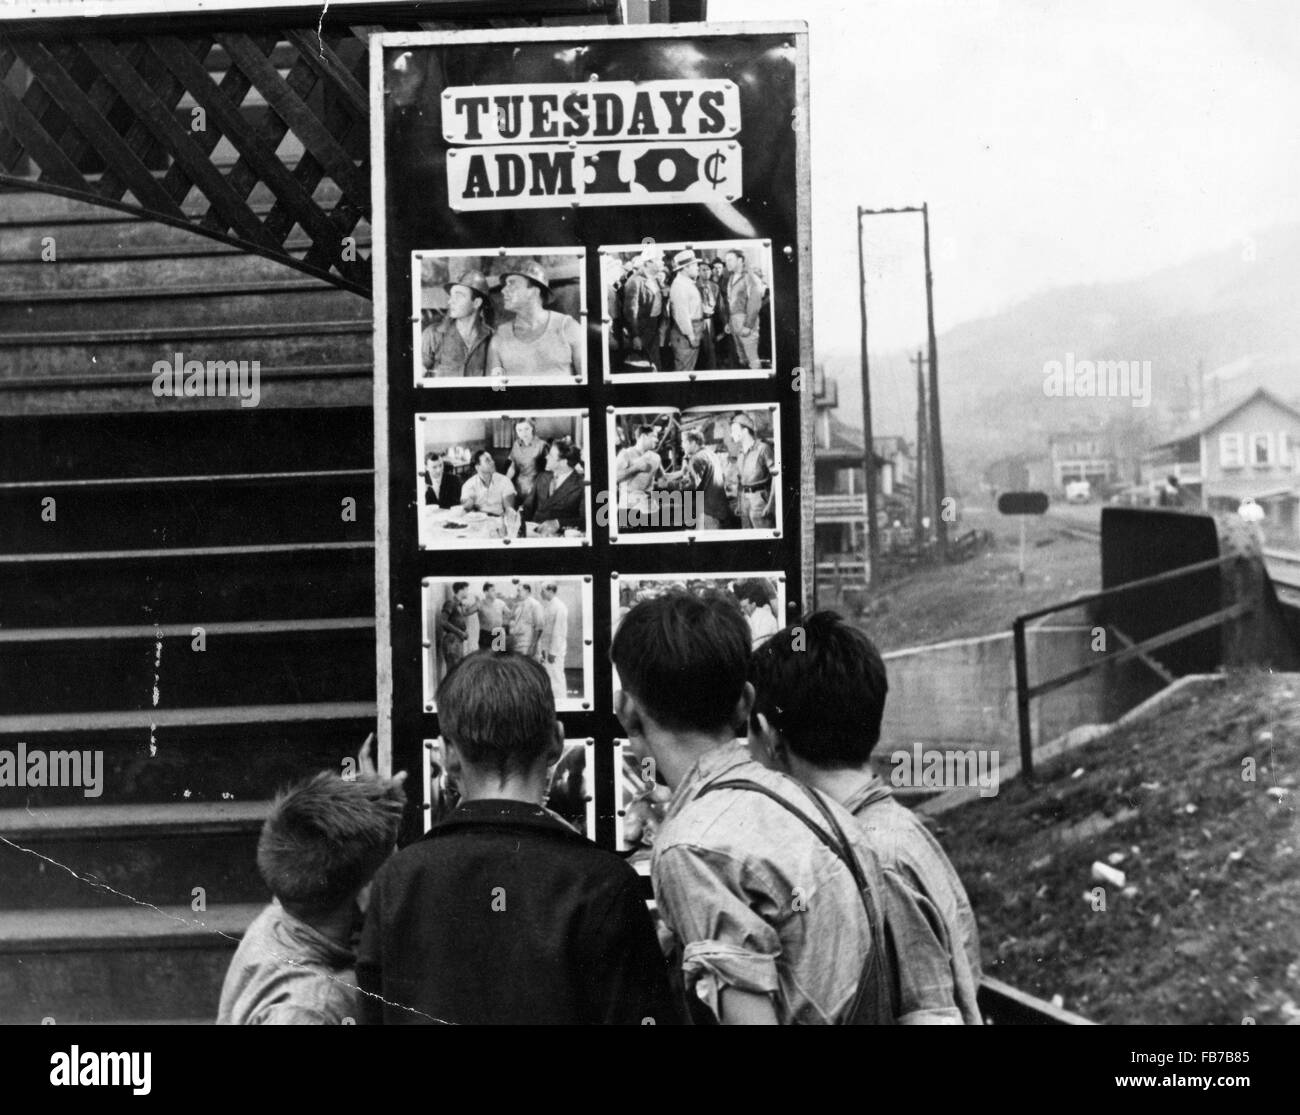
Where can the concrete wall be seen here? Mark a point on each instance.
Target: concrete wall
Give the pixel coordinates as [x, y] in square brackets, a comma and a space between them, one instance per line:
[963, 693]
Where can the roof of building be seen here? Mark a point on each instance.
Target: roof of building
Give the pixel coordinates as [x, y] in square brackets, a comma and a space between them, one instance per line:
[1226, 411]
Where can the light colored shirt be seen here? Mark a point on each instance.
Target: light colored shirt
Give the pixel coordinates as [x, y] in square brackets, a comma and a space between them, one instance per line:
[555, 628]
[287, 973]
[489, 497]
[557, 351]
[903, 844]
[685, 303]
[755, 901]
[762, 625]
[524, 628]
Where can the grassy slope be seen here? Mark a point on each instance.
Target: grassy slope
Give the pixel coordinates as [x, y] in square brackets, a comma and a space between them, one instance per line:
[1212, 933]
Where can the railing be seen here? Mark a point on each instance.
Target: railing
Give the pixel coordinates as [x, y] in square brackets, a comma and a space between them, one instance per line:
[1026, 692]
[841, 504]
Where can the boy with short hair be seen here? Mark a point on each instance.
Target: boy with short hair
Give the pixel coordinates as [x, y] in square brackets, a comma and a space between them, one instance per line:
[503, 913]
[820, 689]
[323, 842]
[772, 925]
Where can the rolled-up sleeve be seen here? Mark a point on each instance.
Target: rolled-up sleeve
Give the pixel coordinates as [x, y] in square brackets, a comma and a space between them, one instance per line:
[708, 899]
[921, 955]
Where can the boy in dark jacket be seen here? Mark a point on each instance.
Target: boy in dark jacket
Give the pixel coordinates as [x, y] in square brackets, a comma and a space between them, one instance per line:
[503, 913]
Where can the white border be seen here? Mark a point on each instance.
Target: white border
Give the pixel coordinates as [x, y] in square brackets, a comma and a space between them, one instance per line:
[440, 542]
[496, 383]
[591, 32]
[582, 703]
[669, 247]
[736, 534]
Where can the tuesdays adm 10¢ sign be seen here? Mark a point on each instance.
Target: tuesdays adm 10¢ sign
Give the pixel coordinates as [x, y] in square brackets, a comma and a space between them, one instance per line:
[592, 143]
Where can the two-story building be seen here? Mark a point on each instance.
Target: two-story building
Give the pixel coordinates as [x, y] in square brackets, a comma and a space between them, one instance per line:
[1246, 449]
[1082, 455]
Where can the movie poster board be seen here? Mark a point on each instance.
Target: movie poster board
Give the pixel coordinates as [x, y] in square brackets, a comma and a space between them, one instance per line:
[592, 320]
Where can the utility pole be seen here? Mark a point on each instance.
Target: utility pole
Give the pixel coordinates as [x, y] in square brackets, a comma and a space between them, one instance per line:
[868, 447]
[936, 430]
[921, 447]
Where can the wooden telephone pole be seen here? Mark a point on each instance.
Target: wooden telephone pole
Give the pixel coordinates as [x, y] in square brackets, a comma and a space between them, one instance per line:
[922, 450]
[868, 446]
[938, 481]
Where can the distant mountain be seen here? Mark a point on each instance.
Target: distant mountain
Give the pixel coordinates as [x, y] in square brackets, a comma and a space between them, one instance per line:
[1233, 314]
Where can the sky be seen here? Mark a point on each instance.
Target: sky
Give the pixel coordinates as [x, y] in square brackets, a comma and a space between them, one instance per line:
[1055, 142]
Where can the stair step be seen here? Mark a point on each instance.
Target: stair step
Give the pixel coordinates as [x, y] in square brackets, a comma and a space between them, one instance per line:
[239, 440]
[225, 584]
[99, 965]
[192, 514]
[39, 724]
[78, 822]
[302, 662]
[83, 393]
[307, 301]
[187, 762]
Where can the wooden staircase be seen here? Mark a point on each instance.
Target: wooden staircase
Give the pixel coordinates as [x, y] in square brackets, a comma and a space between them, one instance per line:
[169, 516]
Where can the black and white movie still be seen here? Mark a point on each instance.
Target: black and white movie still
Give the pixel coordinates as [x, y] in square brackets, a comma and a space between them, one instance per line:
[569, 791]
[545, 618]
[512, 314]
[643, 802]
[706, 473]
[681, 311]
[486, 479]
[760, 597]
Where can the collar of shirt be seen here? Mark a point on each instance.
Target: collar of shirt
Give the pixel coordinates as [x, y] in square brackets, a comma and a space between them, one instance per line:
[504, 811]
[315, 946]
[713, 764]
[870, 792]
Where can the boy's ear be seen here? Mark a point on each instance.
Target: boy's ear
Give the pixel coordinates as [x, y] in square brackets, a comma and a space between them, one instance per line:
[740, 718]
[628, 714]
[556, 747]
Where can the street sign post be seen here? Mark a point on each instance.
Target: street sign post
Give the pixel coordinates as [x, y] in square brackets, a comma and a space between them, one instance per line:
[1022, 504]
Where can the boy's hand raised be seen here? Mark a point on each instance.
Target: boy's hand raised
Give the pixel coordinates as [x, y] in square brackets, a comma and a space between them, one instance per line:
[366, 764]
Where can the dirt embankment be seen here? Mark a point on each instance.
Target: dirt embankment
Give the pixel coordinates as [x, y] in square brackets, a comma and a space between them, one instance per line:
[1197, 806]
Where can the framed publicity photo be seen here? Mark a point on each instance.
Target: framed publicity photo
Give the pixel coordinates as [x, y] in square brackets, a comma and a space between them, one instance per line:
[679, 311]
[545, 617]
[760, 597]
[570, 786]
[642, 803]
[491, 478]
[501, 316]
[706, 474]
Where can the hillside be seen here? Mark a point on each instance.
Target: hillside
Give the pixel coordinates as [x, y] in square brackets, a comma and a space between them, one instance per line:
[1240, 306]
[1206, 928]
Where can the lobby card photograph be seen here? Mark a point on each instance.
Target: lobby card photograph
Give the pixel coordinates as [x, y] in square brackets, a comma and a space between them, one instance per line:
[487, 479]
[642, 804]
[678, 311]
[760, 597]
[569, 793]
[546, 618]
[708, 474]
[511, 315]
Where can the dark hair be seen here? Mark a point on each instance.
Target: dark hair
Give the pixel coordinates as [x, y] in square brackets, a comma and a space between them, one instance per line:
[757, 591]
[569, 453]
[326, 837]
[695, 436]
[488, 585]
[498, 711]
[432, 455]
[456, 586]
[737, 253]
[822, 683]
[644, 429]
[683, 657]
[479, 454]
